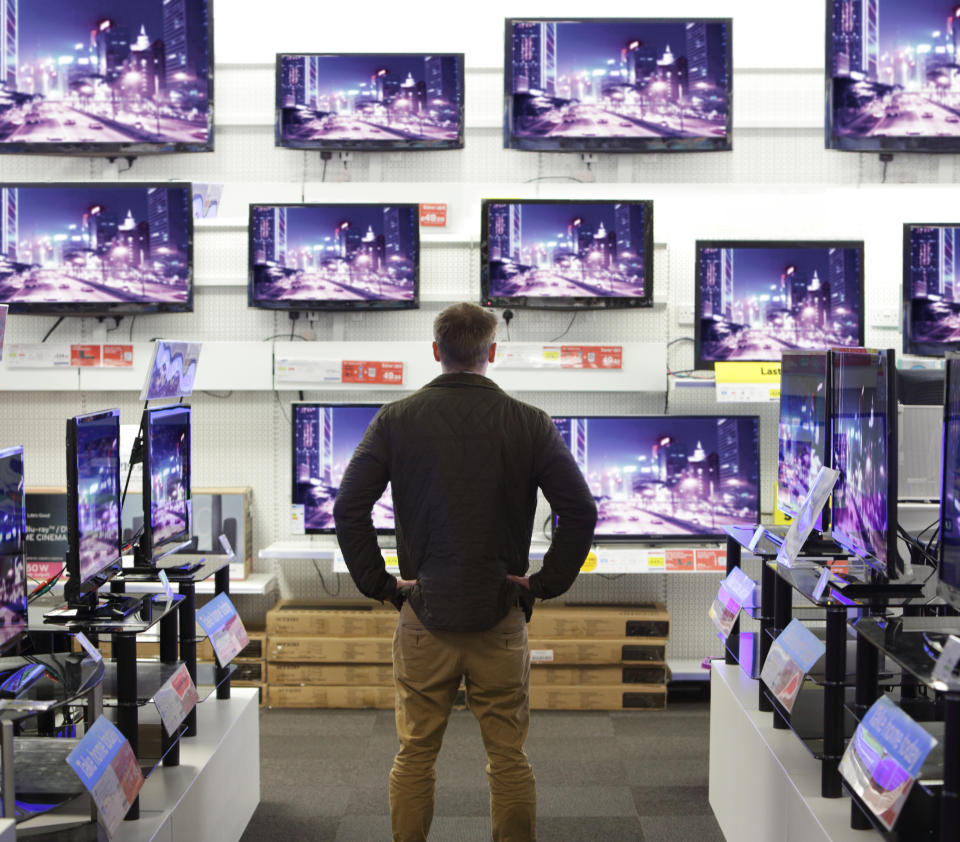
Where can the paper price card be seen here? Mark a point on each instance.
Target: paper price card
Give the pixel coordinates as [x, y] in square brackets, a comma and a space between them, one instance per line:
[372, 371]
[219, 619]
[85, 355]
[791, 656]
[735, 592]
[884, 758]
[118, 356]
[176, 699]
[433, 215]
[107, 767]
[711, 560]
[39, 355]
[591, 356]
[946, 670]
[589, 563]
[680, 560]
[748, 382]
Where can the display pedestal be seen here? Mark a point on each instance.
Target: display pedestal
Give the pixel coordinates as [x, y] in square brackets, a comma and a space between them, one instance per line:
[764, 785]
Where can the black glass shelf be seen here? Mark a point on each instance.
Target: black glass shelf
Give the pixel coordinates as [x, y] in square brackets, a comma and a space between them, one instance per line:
[66, 678]
[907, 642]
[175, 574]
[806, 718]
[152, 675]
[133, 623]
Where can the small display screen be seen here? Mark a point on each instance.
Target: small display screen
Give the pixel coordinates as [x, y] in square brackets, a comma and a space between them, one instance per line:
[931, 289]
[667, 476]
[324, 439]
[949, 576]
[168, 441]
[334, 257]
[13, 527]
[98, 492]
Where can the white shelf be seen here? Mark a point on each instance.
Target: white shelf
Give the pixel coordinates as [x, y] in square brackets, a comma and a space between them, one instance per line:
[300, 549]
[256, 584]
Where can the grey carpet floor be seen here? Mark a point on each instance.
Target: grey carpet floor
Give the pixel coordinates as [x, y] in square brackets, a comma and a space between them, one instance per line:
[617, 777]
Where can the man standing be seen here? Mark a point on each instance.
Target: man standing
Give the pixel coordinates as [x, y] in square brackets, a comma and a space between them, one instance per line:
[465, 461]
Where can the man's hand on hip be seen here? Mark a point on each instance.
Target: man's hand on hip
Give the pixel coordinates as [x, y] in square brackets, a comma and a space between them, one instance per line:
[522, 581]
[405, 583]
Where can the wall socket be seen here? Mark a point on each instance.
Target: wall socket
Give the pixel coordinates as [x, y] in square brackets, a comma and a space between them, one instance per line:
[685, 314]
[888, 317]
[346, 157]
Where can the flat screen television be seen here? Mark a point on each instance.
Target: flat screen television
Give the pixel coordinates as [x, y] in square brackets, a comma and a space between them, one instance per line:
[96, 249]
[166, 481]
[864, 429]
[618, 85]
[891, 80]
[324, 438]
[931, 288]
[668, 477]
[804, 437]
[13, 530]
[370, 101]
[334, 257]
[106, 77]
[948, 578]
[93, 502]
[755, 299]
[566, 255]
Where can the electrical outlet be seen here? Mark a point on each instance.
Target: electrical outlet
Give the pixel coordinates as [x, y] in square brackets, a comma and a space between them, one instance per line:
[685, 314]
[887, 317]
[588, 157]
[346, 157]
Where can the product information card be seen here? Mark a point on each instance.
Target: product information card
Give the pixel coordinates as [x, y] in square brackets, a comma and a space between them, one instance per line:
[176, 699]
[107, 767]
[790, 658]
[735, 591]
[219, 619]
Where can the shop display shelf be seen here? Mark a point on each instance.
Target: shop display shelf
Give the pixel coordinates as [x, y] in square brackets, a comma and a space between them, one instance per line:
[806, 720]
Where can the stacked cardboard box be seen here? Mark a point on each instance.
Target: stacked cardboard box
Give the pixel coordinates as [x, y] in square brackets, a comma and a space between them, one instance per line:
[251, 664]
[598, 657]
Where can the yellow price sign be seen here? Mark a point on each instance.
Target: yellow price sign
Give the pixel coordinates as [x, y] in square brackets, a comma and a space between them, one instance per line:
[749, 372]
[656, 562]
[590, 564]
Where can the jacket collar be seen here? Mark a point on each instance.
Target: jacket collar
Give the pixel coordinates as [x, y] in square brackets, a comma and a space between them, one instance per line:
[463, 378]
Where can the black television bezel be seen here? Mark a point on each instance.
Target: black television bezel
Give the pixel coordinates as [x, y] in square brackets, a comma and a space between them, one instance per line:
[77, 589]
[396, 145]
[823, 520]
[333, 305]
[20, 556]
[106, 308]
[637, 145]
[947, 591]
[150, 550]
[132, 149]
[328, 530]
[700, 361]
[891, 566]
[705, 538]
[897, 143]
[911, 345]
[585, 302]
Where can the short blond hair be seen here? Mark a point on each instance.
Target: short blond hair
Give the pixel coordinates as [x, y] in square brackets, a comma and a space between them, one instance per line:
[464, 333]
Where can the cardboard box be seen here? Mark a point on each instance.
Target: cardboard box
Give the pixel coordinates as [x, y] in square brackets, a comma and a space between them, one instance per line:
[565, 652]
[600, 621]
[333, 650]
[149, 649]
[379, 675]
[248, 672]
[616, 697]
[593, 676]
[312, 696]
[332, 619]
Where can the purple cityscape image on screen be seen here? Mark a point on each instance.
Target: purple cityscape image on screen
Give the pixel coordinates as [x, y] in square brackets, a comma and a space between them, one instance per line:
[94, 245]
[105, 72]
[566, 249]
[385, 99]
[600, 80]
[894, 69]
[950, 505]
[860, 443]
[667, 475]
[169, 438]
[325, 438]
[98, 494]
[13, 581]
[333, 253]
[757, 301]
[933, 288]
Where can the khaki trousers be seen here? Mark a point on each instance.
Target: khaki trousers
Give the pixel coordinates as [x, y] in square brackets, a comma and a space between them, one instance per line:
[427, 667]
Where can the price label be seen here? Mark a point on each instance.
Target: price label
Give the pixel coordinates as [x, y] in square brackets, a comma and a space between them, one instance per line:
[118, 356]
[947, 667]
[225, 546]
[589, 563]
[790, 658]
[176, 699]
[372, 372]
[821, 585]
[167, 587]
[541, 656]
[433, 215]
[88, 647]
[85, 355]
[219, 619]
[757, 535]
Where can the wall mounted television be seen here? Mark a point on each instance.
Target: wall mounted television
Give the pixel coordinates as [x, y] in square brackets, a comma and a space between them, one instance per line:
[96, 249]
[324, 438]
[804, 432]
[106, 77]
[13, 530]
[864, 425]
[931, 288]
[757, 298]
[334, 257]
[948, 579]
[166, 482]
[566, 255]
[369, 101]
[618, 85]
[668, 477]
[891, 76]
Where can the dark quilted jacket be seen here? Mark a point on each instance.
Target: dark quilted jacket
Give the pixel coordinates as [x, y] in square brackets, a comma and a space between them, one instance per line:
[465, 460]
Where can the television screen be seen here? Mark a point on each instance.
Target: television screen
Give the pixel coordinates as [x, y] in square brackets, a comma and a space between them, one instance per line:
[560, 254]
[804, 437]
[667, 477]
[334, 257]
[756, 299]
[324, 438]
[864, 424]
[891, 76]
[948, 582]
[166, 478]
[931, 289]
[370, 101]
[106, 77]
[96, 249]
[93, 494]
[13, 530]
[627, 85]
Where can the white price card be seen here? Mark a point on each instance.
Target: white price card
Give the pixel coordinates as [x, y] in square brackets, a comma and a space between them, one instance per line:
[297, 523]
[167, 587]
[947, 668]
[225, 545]
[176, 699]
[790, 658]
[88, 647]
[56, 355]
[219, 619]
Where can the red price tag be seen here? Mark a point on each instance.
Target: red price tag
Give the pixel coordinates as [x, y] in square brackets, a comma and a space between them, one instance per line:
[433, 216]
[118, 356]
[591, 356]
[708, 560]
[85, 355]
[680, 560]
[371, 371]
